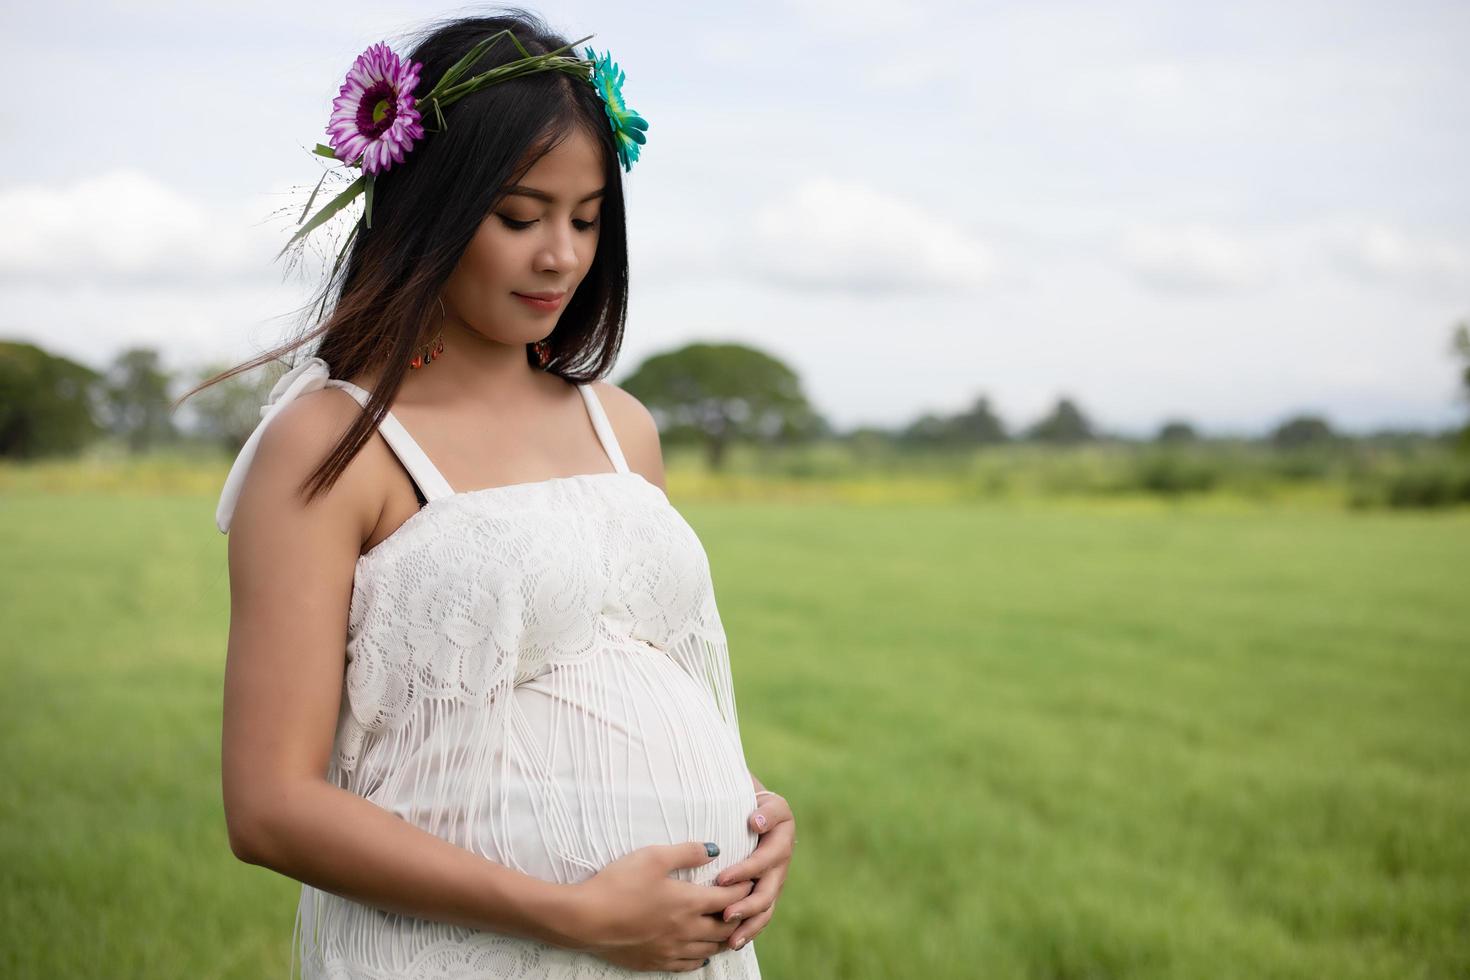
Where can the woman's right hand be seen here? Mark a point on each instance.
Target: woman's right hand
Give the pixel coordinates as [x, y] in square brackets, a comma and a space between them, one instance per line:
[632, 914]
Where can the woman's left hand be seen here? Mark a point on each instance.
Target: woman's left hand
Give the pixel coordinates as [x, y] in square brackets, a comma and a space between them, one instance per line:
[776, 824]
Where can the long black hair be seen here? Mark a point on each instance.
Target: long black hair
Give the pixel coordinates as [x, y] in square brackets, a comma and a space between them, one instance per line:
[384, 297]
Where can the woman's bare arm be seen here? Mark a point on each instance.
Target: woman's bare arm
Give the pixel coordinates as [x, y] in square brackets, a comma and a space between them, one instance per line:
[291, 569]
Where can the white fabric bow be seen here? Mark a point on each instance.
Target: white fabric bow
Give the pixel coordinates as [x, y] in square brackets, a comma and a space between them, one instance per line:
[309, 375]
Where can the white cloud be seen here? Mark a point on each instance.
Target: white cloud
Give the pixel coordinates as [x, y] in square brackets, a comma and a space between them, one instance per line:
[189, 324]
[1200, 258]
[1384, 253]
[126, 228]
[863, 18]
[1192, 258]
[1319, 160]
[845, 235]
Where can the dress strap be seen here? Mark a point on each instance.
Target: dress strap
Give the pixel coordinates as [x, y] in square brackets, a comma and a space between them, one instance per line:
[311, 374]
[604, 428]
[409, 453]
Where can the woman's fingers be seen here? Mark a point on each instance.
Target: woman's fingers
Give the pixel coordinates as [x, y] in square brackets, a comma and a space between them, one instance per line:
[712, 929]
[772, 849]
[696, 954]
[767, 887]
[750, 928]
[771, 812]
[752, 867]
[712, 900]
[699, 950]
[767, 865]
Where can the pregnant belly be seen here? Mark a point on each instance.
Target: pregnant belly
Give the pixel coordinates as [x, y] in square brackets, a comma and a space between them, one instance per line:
[607, 755]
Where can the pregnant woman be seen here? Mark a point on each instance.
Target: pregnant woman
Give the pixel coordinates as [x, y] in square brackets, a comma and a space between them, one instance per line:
[477, 697]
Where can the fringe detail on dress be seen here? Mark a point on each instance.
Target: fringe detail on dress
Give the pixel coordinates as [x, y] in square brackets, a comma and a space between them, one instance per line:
[549, 706]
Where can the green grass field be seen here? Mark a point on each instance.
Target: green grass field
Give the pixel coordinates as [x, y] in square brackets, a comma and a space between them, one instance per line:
[1056, 741]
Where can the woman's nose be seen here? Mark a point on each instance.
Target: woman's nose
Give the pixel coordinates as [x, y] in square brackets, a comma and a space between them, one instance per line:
[560, 252]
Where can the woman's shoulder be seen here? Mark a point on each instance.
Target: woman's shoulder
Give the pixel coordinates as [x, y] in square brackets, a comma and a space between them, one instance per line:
[635, 428]
[313, 420]
[299, 439]
[622, 406]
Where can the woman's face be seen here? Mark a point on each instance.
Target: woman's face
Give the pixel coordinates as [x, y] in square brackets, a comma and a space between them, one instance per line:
[540, 240]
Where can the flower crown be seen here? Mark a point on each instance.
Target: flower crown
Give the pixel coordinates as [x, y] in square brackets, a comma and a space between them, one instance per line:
[376, 119]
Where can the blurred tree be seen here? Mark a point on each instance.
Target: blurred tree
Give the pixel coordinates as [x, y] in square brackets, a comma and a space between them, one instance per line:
[926, 430]
[1066, 424]
[717, 393]
[228, 411]
[1460, 345]
[1175, 431]
[1301, 431]
[47, 403]
[978, 424]
[868, 434]
[135, 399]
[868, 442]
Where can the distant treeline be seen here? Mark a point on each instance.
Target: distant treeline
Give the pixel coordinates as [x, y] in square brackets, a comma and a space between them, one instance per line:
[735, 407]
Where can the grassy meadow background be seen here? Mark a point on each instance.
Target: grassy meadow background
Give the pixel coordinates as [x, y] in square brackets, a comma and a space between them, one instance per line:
[1026, 735]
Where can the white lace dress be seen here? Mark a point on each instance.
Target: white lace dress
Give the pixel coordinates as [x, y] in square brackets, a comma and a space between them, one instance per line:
[537, 673]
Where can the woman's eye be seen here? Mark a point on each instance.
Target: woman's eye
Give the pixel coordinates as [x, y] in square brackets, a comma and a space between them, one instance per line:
[515, 225]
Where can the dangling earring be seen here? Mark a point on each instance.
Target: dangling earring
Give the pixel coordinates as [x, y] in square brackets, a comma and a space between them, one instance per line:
[542, 350]
[432, 350]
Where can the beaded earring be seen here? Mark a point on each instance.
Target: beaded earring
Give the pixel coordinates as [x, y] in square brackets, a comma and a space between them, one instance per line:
[542, 350]
[431, 350]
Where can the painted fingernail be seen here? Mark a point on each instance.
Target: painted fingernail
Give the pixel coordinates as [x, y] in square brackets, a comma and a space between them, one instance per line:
[711, 848]
[760, 820]
[738, 943]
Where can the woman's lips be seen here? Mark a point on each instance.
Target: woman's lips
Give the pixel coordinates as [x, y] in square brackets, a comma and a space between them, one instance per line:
[543, 305]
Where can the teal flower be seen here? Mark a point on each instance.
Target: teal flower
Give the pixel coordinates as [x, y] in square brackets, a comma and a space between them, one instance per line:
[627, 125]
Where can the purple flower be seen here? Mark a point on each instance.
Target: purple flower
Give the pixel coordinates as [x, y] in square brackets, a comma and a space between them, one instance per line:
[374, 118]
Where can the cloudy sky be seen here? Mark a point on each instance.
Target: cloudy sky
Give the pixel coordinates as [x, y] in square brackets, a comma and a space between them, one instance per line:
[1222, 212]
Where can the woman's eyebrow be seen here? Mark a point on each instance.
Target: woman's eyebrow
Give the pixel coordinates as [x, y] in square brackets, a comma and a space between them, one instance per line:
[543, 196]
